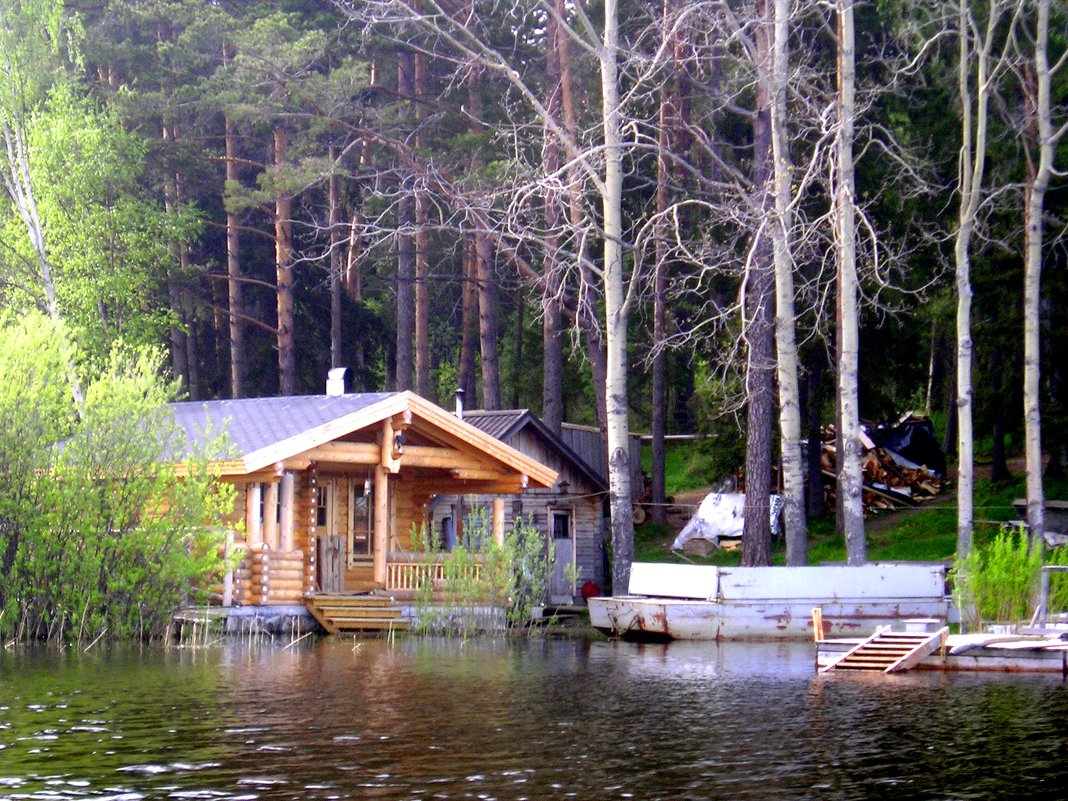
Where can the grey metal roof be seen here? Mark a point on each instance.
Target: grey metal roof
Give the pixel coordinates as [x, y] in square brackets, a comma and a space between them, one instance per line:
[505, 423]
[256, 423]
[500, 424]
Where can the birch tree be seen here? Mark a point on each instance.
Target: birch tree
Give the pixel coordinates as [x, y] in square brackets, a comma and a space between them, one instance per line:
[1039, 174]
[785, 310]
[465, 38]
[850, 479]
[977, 50]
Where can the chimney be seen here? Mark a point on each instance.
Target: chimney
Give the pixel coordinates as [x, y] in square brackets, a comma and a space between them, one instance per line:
[336, 380]
[460, 402]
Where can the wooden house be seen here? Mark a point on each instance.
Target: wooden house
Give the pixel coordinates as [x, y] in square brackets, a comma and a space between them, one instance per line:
[331, 487]
[570, 513]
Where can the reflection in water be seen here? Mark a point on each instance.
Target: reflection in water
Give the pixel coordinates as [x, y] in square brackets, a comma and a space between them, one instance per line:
[540, 719]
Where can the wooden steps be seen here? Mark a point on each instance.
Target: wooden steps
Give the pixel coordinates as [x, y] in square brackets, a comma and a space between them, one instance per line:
[889, 651]
[337, 613]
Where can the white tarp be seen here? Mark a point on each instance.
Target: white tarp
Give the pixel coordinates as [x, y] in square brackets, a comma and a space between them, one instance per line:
[721, 514]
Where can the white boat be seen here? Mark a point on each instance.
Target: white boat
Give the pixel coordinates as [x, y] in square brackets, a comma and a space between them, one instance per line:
[696, 602]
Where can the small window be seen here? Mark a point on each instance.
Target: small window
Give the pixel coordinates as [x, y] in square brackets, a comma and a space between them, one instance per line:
[322, 507]
[362, 515]
[561, 525]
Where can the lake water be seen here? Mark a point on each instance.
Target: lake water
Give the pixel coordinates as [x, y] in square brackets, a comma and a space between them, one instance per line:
[496, 719]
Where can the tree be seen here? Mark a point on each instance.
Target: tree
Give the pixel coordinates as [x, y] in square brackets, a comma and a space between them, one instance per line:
[785, 308]
[466, 40]
[850, 479]
[977, 42]
[100, 535]
[1039, 99]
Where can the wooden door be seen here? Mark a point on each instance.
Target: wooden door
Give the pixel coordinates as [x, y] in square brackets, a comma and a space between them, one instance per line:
[562, 551]
[329, 526]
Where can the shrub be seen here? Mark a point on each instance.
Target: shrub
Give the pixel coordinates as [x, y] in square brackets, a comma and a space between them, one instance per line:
[481, 576]
[997, 582]
[98, 532]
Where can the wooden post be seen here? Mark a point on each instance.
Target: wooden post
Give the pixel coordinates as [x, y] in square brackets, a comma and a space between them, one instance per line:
[498, 521]
[381, 524]
[288, 511]
[228, 579]
[253, 498]
[270, 515]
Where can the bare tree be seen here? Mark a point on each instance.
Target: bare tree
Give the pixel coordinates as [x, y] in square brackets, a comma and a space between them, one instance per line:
[850, 479]
[785, 308]
[462, 37]
[978, 50]
[1040, 99]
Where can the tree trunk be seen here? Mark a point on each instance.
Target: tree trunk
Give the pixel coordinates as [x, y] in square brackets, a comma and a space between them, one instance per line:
[422, 247]
[616, 308]
[817, 505]
[487, 323]
[667, 137]
[517, 354]
[1036, 195]
[469, 321]
[336, 260]
[177, 334]
[586, 314]
[970, 187]
[283, 262]
[759, 332]
[238, 357]
[785, 313]
[850, 477]
[405, 254]
[552, 385]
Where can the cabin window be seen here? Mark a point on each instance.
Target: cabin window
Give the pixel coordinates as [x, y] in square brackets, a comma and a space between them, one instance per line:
[361, 520]
[561, 525]
[322, 506]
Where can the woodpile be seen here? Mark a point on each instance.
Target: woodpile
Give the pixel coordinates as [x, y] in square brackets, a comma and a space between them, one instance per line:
[890, 481]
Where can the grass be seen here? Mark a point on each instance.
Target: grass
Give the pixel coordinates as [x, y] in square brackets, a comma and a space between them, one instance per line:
[688, 464]
[927, 533]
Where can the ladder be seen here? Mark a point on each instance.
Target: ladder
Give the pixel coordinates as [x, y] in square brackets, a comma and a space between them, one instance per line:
[890, 651]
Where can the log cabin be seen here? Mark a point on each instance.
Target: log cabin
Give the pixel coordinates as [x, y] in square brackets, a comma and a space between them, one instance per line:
[331, 489]
[570, 514]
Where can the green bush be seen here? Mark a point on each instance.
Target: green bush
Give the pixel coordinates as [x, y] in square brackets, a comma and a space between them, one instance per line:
[998, 582]
[480, 576]
[98, 531]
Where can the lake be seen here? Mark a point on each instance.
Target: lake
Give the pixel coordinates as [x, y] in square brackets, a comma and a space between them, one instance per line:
[505, 719]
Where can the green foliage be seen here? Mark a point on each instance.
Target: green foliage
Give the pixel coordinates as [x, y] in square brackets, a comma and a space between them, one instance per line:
[106, 241]
[997, 582]
[480, 577]
[694, 464]
[98, 532]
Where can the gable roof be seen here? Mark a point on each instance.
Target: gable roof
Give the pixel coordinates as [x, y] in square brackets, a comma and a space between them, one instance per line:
[263, 431]
[506, 423]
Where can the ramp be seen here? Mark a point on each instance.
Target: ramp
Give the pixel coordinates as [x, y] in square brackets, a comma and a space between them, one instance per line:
[890, 651]
[337, 613]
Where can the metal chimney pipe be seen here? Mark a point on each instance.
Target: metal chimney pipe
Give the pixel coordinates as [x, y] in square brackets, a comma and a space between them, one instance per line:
[460, 402]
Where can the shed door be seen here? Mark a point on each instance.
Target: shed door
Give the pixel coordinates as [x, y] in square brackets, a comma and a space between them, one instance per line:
[331, 530]
[562, 548]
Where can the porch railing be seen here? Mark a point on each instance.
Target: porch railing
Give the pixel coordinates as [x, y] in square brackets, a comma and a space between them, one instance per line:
[408, 572]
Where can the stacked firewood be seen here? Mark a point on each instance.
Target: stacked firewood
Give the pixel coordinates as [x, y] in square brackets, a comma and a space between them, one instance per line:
[890, 481]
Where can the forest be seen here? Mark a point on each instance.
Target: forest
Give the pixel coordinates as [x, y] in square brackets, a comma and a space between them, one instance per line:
[742, 219]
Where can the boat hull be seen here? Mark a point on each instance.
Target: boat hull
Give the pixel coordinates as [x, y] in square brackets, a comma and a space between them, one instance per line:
[639, 617]
[704, 602]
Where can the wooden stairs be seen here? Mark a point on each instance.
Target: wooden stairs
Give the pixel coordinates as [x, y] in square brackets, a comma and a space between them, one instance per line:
[337, 613]
[889, 651]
